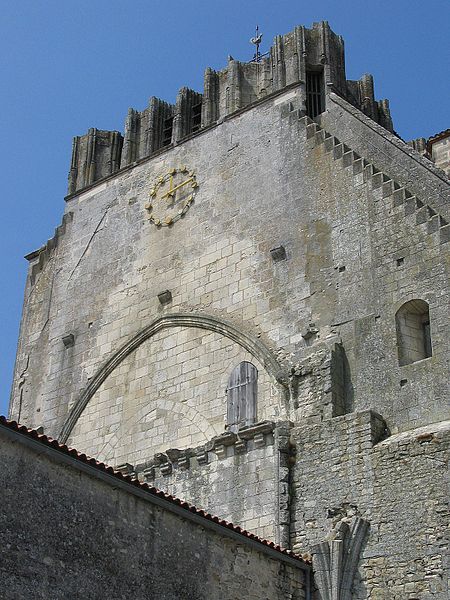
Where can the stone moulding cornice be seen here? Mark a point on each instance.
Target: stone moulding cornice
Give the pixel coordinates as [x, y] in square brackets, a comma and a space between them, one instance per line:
[164, 462]
[250, 431]
[200, 321]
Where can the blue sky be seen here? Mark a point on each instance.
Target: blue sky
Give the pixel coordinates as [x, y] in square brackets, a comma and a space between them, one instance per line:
[67, 66]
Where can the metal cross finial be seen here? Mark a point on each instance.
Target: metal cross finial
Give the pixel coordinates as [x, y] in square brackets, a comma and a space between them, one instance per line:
[256, 41]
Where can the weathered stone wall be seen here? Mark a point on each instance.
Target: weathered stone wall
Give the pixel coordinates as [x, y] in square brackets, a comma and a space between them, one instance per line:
[399, 485]
[379, 265]
[78, 532]
[235, 478]
[354, 255]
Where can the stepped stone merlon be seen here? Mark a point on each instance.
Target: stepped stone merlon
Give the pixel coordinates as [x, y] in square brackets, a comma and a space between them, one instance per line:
[144, 130]
[94, 156]
[419, 145]
[131, 139]
[184, 117]
[210, 112]
[324, 47]
[361, 94]
[230, 97]
[384, 114]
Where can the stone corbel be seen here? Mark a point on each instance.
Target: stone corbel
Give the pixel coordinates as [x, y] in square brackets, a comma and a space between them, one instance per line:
[184, 461]
[165, 468]
[149, 473]
[250, 431]
[335, 560]
[221, 451]
[202, 457]
[125, 469]
[259, 440]
[240, 446]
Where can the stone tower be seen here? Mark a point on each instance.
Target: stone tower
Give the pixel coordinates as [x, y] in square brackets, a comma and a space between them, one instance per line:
[246, 303]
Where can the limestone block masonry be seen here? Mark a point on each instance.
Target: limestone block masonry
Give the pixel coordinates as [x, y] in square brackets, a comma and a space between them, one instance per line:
[299, 239]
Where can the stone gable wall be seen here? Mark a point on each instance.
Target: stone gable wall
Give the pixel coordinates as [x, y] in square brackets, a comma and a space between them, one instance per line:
[341, 280]
[362, 236]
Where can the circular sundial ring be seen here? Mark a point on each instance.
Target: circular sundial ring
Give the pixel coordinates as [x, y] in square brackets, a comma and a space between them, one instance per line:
[170, 196]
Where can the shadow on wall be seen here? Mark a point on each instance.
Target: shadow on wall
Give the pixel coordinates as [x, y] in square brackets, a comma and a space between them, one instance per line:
[321, 385]
[341, 381]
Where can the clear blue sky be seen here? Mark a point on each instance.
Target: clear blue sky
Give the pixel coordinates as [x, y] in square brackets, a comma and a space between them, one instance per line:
[67, 66]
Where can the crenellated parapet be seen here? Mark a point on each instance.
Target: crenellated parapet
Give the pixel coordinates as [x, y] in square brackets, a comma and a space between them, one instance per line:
[210, 110]
[313, 59]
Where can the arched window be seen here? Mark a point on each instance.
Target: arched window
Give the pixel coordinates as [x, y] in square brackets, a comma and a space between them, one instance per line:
[412, 321]
[241, 396]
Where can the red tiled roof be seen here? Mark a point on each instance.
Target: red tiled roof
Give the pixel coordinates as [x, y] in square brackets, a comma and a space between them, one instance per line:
[438, 136]
[48, 441]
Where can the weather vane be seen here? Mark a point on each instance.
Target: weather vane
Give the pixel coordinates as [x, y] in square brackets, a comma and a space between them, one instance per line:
[257, 41]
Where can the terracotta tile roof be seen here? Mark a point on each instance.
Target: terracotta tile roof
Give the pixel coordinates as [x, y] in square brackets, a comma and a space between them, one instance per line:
[438, 136]
[48, 441]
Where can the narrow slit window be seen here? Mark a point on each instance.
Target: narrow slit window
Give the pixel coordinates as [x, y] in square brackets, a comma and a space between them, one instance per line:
[315, 98]
[167, 131]
[242, 396]
[196, 117]
[427, 336]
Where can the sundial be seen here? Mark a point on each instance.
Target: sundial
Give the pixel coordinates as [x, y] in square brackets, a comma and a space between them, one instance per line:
[171, 195]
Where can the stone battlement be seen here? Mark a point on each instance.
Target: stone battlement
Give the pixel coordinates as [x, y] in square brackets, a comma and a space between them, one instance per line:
[314, 58]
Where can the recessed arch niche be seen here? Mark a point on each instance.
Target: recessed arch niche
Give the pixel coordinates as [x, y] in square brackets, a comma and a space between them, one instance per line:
[412, 321]
[164, 389]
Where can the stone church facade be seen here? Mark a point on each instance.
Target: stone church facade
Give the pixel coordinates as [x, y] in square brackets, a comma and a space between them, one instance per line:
[246, 306]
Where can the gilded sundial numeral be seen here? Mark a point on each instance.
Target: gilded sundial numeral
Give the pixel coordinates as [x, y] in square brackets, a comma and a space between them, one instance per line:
[168, 193]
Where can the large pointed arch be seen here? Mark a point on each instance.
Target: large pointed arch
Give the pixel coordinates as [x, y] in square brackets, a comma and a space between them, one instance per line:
[254, 346]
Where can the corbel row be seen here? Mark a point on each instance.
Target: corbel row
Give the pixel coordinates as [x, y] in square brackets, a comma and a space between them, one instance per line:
[223, 446]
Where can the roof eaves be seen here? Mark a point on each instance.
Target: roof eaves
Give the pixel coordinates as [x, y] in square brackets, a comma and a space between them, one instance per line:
[83, 458]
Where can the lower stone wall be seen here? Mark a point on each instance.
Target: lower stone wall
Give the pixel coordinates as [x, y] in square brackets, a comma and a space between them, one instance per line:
[72, 530]
[347, 467]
